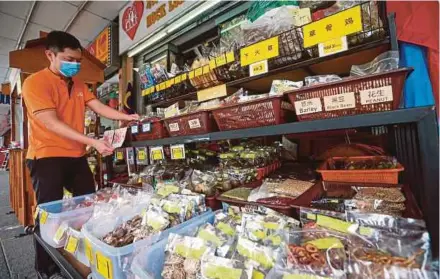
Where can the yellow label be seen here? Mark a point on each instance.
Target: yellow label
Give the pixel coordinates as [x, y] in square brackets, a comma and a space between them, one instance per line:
[335, 26]
[177, 79]
[184, 76]
[88, 251]
[311, 216]
[119, 155]
[212, 64]
[212, 93]
[169, 83]
[59, 233]
[366, 231]
[198, 72]
[258, 68]
[157, 154]
[333, 223]
[220, 60]
[206, 69]
[333, 46]
[72, 244]
[327, 243]
[43, 217]
[104, 266]
[303, 276]
[157, 88]
[260, 51]
[257, 274]
[178, 152]
[144, 92]
[162, 86]
[230, 57]
[37, 210]
[142, 155]
[191, 74]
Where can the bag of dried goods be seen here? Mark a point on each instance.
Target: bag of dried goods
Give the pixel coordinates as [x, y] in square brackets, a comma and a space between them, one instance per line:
[292, 187]
[240, 193]
[219, 268]
[266, 230]
[217, 238]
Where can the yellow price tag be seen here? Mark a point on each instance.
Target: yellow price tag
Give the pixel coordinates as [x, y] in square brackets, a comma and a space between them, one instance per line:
[169, 83]
[72, 244]
[230, 57]
[334, 26]
[212, 93]
[191, 75]
[177, 79]
[144, 92]
[157, 153]
[333, 223]
[37, 210]
[258, 68]
[104, 266]
[333, 46]
[59, 233]
[198, 72]
[212, 64]
[43, 217]
[142, 155]
[206, 69]
[162, 86]
[260, 51]
[177, 152]
[184, 76]
[119, 155]
[88, 251]
[157, 88]
[220, 60]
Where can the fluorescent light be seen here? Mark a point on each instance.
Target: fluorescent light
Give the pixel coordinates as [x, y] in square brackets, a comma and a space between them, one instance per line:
[146, 43]
[191, 15]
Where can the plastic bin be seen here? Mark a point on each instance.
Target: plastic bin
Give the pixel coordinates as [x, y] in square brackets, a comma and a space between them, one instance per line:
[114, 262]
[195, 123]
[148, 263]
[55, 216]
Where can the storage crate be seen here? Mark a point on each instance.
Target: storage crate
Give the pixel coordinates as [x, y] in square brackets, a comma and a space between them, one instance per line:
[56, 216]
[257, 113]
[195, 123]
[387, 176]
[148, 263]
[157, 131]
[117, 260]
[350, 96]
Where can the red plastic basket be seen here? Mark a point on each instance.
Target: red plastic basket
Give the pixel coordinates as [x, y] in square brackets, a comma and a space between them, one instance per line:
[350, 96]
[157, 131]
[200, 122]
[262, 112]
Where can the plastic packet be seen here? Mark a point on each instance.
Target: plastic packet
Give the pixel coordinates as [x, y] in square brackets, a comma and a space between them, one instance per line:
[292, 187]
[280, 86]
[177, 209]
[313, 80]
[216, 267]
[222, 241]
[279, 272]
[386, 222]
[204, 182]
[197, 200]
[165, 189]
[228, 223]
[392, 208]
[241, 176]
[390, 194]
[156, 219]
[183, 255]
[74, 243]
[384, 62]
[260, 193]
[323, 219]
[318, 252]
[60, 235]
[329, 204]
[240, 193]
[231, 33]
[208, 105]
[265, 230]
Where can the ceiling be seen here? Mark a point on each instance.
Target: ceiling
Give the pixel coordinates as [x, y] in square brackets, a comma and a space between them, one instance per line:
[83, 19]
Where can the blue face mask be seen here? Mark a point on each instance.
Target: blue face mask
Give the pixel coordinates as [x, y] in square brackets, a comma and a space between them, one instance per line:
[69, 69]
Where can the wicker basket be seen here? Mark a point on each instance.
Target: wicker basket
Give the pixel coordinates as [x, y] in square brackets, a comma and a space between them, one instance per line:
[200, 122]
[350, 96]
[385, 176]
[261, 112]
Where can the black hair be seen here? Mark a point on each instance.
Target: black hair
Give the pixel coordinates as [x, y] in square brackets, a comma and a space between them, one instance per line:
[57, 41]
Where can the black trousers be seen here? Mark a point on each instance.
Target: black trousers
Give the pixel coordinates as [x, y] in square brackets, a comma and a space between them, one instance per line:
[49, 177]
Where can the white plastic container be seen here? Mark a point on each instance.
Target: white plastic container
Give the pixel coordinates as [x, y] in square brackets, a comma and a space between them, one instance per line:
[148, 263]
[114, 262]
[55, 216]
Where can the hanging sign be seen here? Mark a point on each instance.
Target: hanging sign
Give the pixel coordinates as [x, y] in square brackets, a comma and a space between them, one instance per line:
[335, 26]
[177, 152]
[100, 47]
[260, 51]
[139, 19]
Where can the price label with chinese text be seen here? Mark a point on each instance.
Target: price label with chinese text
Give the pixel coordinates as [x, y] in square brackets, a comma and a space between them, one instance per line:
[230, 57]
[174, 127]
[88, 251]
[194, 123]
[156, 153]
[134, 129]
[177, 151]
[212, 64]
[308, 106]
[104, 266]
[339, 101]
[335, 26]
[206, 69]
[169, 83]
[146, 127]
[333, 46]
[258, 68]
[260, 51]
[142, 154]
[376, 95]
[178, 79]
[162, 86]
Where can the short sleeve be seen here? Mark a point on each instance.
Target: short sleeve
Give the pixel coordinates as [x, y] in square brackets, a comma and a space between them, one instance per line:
[37, 97]
[88, 96]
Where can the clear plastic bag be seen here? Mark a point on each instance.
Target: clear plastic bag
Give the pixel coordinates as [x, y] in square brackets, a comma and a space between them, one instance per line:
[386, 61]
[266, 230]
[216, 268]
[392, 208]
[279, 272]
[378, 193]
[260, 193]
[228, 223]
[222, 241]
[204, 182]
[280, 86]
[313, 80]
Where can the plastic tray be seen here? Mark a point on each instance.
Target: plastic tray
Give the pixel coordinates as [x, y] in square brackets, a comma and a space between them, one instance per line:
[342, 92]
[55, 216]
[252, 114]
[115, 258]
[148, 263]
[386, 176]
[195, 123]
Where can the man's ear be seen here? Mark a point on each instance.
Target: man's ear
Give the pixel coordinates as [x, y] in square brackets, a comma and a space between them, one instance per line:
[50, 55]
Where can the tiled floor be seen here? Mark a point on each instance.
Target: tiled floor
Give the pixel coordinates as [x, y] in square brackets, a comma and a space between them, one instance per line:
[16, 251]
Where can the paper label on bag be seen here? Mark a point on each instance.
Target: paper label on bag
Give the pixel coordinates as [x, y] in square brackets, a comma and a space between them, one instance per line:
[43, 217]
[71, 244]
[174, 127]
[340, 101]
[156, 153]
[376, 95]
[308, 106]
[104, 266]
[194, 123]
[60, 232]
[177, 152]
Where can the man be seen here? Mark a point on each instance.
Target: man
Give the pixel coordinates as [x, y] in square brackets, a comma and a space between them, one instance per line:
[56, 103]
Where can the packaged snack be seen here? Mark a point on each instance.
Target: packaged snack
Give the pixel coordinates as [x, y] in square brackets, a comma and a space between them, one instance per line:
[384, 62]
[204, 182]
[165, 189]
[222, 241]
[178, 210]
[266, 230]
[219, 268]
[313, 80]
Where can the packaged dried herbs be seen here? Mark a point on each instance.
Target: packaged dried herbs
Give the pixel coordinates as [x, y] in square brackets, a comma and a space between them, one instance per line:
[265, 230]
[292, 187]
[390, 194]
[219, 239]
[219, 268]
[240, 193]
[204, 182]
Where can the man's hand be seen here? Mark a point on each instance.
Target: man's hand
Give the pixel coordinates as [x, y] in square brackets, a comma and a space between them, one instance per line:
[132, 117]
[103, 147]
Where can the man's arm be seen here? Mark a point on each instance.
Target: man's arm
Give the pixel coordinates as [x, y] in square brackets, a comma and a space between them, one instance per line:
[110, 113]
[50, 120]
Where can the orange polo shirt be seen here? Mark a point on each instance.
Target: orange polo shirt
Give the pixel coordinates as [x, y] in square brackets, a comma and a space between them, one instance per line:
[44, 91]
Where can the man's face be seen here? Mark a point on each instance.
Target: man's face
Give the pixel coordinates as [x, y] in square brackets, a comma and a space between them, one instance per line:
[68, 54]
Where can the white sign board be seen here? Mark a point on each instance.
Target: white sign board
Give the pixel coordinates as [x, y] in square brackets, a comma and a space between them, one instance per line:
[138, 19]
